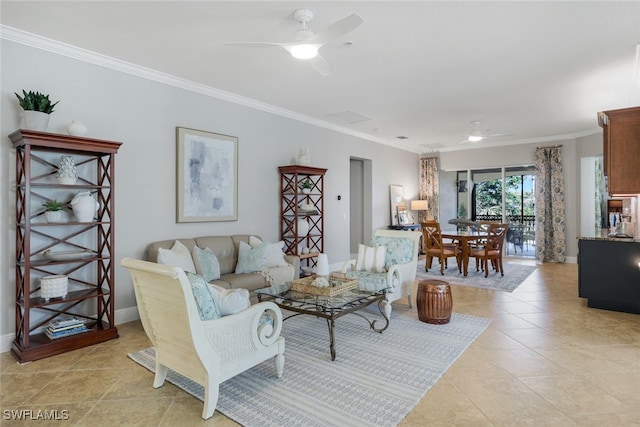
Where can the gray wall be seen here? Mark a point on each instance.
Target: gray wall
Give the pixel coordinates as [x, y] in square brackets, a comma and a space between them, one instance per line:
[143, 114]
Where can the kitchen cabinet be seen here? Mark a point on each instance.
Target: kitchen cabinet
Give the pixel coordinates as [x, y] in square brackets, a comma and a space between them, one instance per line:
[621, 149]
[609, 273]
[79, 247]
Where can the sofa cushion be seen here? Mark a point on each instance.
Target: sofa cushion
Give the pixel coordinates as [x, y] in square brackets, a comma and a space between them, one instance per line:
[206, 263]
[251, 260]
[372, 281]
[207, 307]
[251, 281]
[399, 249]
[275, 255]
[224, 248]
[178, 256]
[230, 301]
[371, 258]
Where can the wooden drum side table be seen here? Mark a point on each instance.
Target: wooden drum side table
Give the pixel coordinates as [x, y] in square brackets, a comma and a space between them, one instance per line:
[434, 301]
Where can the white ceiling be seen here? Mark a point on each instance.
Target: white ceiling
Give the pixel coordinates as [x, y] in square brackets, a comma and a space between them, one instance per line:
[421, 69]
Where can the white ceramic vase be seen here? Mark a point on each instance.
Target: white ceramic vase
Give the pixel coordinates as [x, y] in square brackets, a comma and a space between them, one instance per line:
[84, 206]
[322, 268]
[67, 171]
[77, 129]
[35, 120]
[303, 228]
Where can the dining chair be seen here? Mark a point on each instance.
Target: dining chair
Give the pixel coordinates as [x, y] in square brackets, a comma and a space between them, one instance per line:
[482, 227]
[491, 250]
[435, 247]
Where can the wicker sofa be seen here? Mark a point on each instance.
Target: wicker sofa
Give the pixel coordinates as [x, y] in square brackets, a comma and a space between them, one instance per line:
[226, 249]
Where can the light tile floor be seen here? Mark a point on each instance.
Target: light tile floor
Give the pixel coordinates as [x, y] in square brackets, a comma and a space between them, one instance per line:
[546, 360]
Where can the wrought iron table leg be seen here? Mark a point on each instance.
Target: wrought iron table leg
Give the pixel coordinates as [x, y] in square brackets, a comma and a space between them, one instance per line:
[385, 310]
[332, 343]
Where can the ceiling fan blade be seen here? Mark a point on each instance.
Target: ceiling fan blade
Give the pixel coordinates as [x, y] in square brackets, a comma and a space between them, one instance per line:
[321, 66]
[496, 135]
[336, 30]
[257, 44]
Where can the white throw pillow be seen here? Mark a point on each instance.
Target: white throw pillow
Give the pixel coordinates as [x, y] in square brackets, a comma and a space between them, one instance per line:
[275, 255]
[251, 260]
[371, 258]
[177, 256]
[207, 264]
[230, 301]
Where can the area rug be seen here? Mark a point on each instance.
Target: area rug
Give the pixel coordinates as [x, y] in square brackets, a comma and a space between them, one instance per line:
[514, 275]
[376, 379]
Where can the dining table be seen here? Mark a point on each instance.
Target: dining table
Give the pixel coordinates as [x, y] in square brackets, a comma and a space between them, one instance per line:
[464, 238]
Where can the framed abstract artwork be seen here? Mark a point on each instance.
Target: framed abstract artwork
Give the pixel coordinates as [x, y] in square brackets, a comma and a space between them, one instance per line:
[207, 176]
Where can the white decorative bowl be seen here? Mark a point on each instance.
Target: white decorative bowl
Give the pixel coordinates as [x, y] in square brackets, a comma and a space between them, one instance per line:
[56, 286]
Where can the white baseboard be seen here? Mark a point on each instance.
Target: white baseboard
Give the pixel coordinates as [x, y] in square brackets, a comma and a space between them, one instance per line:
[125, 315]
[5, 342]
[121, 316]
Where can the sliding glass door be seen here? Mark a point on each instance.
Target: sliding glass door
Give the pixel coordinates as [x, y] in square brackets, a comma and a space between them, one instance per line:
[507, 195]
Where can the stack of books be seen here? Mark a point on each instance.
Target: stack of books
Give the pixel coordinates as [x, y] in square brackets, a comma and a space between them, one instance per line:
[65, 327]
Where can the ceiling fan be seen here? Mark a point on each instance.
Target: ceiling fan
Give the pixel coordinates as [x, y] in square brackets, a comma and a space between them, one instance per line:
[306, 44]
[476, 134]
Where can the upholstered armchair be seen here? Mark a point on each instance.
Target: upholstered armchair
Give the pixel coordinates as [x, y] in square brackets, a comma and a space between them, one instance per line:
[398, 271]
[206, 351]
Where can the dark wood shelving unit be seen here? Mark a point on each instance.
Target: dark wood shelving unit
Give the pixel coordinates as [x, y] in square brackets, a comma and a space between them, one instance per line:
[291, 198]
[91, 278]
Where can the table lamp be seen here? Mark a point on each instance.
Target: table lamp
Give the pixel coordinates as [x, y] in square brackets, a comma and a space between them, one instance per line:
[419, 205]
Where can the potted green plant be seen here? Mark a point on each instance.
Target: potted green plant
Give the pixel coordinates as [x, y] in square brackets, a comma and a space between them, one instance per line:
[306, 185]
[53, 210]
[37, 107]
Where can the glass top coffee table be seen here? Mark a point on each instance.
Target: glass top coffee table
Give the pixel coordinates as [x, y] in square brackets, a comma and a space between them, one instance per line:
[328, 307]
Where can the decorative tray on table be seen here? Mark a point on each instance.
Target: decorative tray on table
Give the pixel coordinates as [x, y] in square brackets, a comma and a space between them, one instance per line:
[337, 285]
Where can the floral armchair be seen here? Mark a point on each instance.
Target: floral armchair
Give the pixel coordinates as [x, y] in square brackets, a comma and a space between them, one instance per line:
[206, 351]
[400, 264]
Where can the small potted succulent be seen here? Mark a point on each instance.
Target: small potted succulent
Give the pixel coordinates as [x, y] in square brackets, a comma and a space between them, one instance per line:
[53, 211]
[307, 185]
[37, 107]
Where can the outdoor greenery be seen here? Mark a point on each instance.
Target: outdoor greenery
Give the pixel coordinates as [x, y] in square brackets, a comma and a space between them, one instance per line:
[489, 197]
[462, 211]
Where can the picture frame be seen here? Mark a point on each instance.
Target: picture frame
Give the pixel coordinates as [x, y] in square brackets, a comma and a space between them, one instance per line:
[397, 203]
[403, 217]
[206, 176]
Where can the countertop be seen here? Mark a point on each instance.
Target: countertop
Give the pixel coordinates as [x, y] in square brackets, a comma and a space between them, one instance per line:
[612, 239]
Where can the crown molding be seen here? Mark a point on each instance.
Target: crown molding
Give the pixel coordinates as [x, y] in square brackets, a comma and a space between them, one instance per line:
[33, 40]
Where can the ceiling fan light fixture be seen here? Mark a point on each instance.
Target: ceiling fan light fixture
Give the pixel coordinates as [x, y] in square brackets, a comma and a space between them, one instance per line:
[304, 51]
[474, 138]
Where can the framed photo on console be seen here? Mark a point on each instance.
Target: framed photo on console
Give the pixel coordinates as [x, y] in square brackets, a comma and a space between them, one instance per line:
[207, 176]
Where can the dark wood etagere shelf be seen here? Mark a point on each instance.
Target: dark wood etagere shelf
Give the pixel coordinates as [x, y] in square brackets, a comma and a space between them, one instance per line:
[292, 198]
[91, 278]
